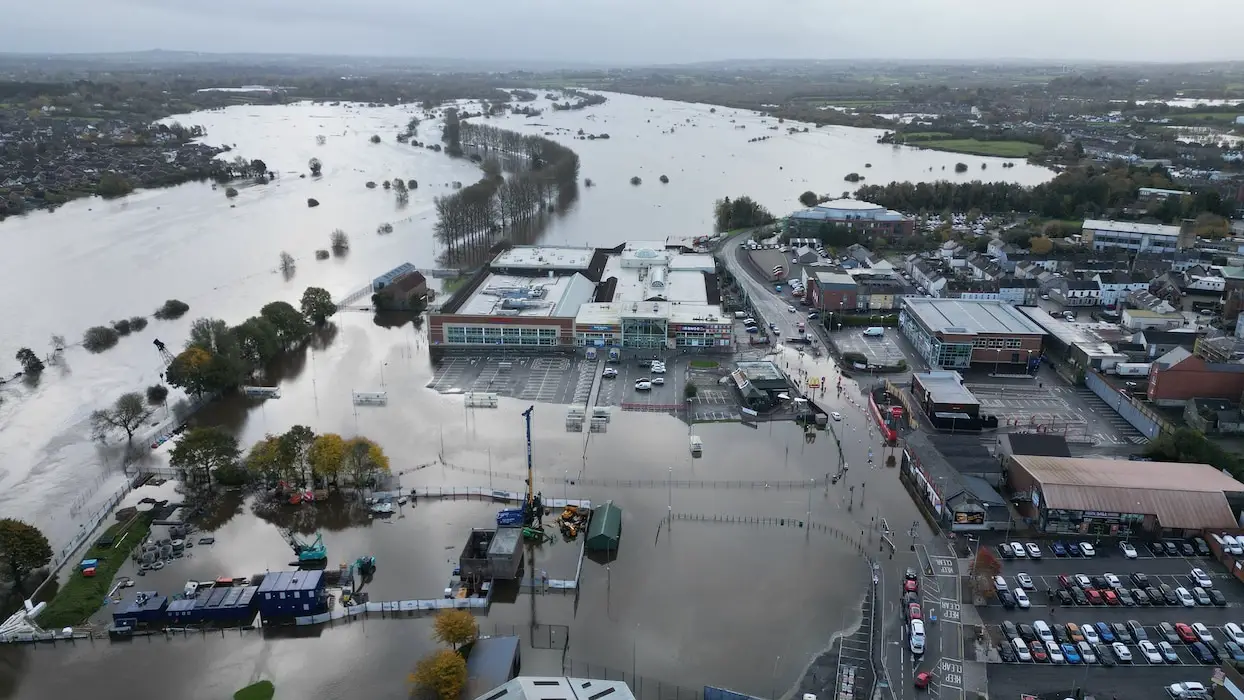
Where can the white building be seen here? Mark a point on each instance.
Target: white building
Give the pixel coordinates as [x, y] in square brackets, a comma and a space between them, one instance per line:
[1129, 235]
[1116, 285]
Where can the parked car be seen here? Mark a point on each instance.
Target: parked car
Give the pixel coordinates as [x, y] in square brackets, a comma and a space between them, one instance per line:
[1021, 598]
[1073, 631]
[1079, 596]
[1234, 632]
[1111, 597]
[1151, 653]
[1090, 633]
[1201, 597]
[1086, 652]
[1234, 650]
[1070, 653]
[1121, 652]
[1155, 596]
[1037, 650]
[1005, 551]
[1202, 632]
[1202, 547]
[1059, 548]
[1010, 630]
[1094, 596]
[1064, 597]
[1060, 633]
[1185, 598]
[1128, 550]
[1105, 655]
[1033, 550]
[1112, 581]
[1087, 549]
[1018, 549]
[1140, 579]
[1217, 598]
[1044, 633]
[1168, 652]
[1139, 596]
[1120, 632]
[1104, 630]
[1027, 633]
[1185, 548]
[1007, 599]
[1125, 597]
[1202, 653]
[1167, 630]
[999, 583]
[1056, 653]
[1006, 652]
[1172, 549]
[1169, 594]
[1186, 635]
[1200, 578]
[1137, 630]
[1083, 581]
[1180, 690]
[1025, 581]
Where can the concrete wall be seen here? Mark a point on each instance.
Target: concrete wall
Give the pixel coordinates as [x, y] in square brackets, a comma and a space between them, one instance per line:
[1141, 418]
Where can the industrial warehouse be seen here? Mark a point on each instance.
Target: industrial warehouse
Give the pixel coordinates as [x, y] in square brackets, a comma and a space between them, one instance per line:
[639, 295]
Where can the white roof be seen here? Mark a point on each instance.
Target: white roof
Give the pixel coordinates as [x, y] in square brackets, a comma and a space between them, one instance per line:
[854, 204]
[544, 257]
[511, 295]
[667, 283]
[558, 688]
[612, 313]
[1131, 227]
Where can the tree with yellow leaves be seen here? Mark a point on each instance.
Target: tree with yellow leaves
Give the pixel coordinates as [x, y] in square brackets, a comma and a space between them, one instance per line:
[454, 627]
[326, 456]
[1040, 245]
[264, 459]
[443, 672]
[363, 459]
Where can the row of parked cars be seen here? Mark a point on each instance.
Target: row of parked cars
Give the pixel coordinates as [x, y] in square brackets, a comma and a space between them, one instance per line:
[1192, 547]
[913, 613]
[1107, 644]
[1108, 589]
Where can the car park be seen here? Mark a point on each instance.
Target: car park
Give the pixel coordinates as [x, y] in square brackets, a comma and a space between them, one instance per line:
[1070, 653]
[1128, 550]
[1055, 652]
[1121, 653]
[1086, 652]
[1200, 578]
[1168, 652]
[1150, 652]
[1105, 655]
[1033, 550]
[1025, 581]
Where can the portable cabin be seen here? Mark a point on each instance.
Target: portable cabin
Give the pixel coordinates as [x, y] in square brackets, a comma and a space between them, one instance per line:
[473, 563]
[505, 553]
[146, 608]
[244, 609]
[231, 598]
[181, 612]
[211, 611]
[285, 595]
[605, 529]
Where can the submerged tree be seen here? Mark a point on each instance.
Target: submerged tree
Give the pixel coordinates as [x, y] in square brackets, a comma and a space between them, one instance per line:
[317, 305]
[338, 241]
[315, 166]
[23, 549]
[286, 262]
[201, 451]
[31, 364]
[127, 414]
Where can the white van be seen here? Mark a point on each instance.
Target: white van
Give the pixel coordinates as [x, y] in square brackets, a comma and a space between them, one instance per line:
[1021, 649]
[1043, 631]
[1234, 546]
[874, 332]
[917, 637]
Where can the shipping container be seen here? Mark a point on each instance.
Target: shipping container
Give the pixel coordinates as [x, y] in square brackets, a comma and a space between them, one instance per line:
[181, 613]
[285, 595]
[146, 608]
[231, 597]
[212, 610]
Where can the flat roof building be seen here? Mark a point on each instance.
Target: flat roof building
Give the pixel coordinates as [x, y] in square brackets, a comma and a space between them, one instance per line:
[1141, 238]
[558, 688]
[942, 394]
[1119, 497]
[957, 333]
[642, 294]
[854, 214]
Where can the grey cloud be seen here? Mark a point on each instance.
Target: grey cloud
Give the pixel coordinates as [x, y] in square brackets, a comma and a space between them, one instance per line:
[641, 31]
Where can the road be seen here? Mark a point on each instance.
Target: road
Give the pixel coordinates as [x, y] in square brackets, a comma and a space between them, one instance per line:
[875, 499]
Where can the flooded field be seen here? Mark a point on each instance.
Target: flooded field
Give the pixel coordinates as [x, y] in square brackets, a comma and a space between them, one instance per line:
[684, 601]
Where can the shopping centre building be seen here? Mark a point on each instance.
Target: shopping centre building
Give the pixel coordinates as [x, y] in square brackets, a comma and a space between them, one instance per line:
[639, 295]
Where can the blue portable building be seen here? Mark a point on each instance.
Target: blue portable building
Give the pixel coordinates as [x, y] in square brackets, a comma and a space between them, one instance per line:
[231, 598]
[247, 604]
[145, 608]
[181, 612]
[285, 595]
[212, 610]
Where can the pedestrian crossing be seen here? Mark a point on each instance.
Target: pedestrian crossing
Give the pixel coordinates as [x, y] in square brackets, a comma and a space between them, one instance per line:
[1106, 413]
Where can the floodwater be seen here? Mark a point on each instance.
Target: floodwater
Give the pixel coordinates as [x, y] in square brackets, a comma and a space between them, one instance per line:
[686, 596]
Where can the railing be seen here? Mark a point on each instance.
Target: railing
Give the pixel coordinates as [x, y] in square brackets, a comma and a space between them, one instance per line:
[796, 484]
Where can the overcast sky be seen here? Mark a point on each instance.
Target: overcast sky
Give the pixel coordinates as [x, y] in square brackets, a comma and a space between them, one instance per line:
[640, 31]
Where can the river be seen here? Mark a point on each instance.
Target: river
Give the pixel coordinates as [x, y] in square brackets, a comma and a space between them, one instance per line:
[93, 261]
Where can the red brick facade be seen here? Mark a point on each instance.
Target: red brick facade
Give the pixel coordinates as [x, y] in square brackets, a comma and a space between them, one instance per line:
[1195, 378]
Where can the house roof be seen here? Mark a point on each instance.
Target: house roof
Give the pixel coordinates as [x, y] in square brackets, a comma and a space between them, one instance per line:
[1180, 495]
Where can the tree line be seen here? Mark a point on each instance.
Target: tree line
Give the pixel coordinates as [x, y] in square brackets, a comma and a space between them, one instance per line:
[741, 212]
[1078, 193]
[473, 219]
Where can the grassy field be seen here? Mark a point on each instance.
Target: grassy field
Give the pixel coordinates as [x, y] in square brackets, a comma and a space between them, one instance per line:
[924, 136]
[1000, 149]
[263, 690]
[80, 597]
[1205, 118]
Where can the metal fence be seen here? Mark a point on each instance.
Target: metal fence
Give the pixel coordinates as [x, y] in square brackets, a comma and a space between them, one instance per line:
[537, 636]
[642, 687]
[85, 531]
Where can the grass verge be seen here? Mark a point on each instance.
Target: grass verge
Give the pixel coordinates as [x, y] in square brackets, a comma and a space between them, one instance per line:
[80, 597]
[263, 690]
[705, 364]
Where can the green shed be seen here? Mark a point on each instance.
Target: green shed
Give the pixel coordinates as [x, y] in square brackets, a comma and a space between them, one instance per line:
[605, 529]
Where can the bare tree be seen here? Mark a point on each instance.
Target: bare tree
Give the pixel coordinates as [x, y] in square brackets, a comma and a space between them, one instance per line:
[287, 262]
[127, 414]
[339, 241]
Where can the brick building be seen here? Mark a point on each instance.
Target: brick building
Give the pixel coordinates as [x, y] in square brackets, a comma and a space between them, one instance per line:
[956, 333]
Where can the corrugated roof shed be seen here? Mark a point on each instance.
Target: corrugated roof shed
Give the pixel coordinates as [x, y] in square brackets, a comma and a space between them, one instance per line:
[605, 529]
[489, 664]
[1180, 495]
